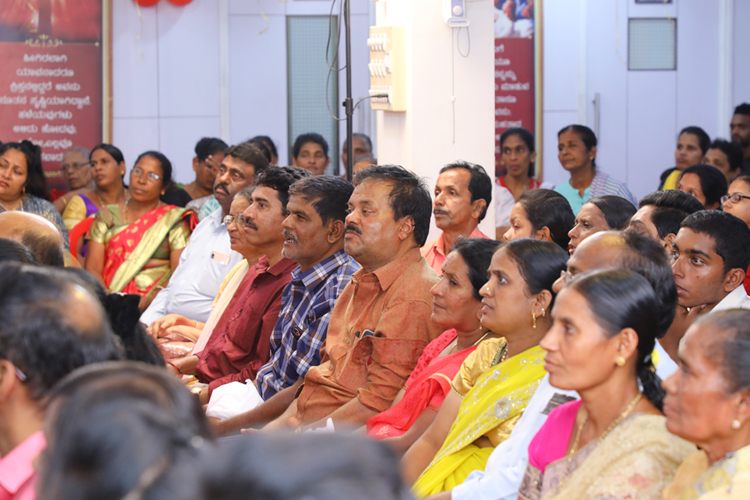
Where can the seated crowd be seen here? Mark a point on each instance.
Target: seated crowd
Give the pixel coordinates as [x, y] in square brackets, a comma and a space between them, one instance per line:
[169, 341]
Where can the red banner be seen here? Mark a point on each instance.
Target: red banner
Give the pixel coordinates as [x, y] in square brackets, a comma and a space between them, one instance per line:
[515, 92]
[51, 86]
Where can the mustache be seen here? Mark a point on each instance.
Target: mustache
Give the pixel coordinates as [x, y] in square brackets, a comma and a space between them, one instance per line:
[440, 211]
[352, 228]
[224, 186]
[288, 234]
[249, 223]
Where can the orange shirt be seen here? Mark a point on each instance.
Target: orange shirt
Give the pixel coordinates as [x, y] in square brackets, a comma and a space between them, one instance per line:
[395, 304]
[435, 253]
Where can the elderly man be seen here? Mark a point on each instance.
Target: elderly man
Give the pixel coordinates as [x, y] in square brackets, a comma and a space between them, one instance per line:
[208, 258]
[314, 238]
[76, 170]
[463, 193]
[37, 234]
[50, 327]
[361, 148]
[381, 322]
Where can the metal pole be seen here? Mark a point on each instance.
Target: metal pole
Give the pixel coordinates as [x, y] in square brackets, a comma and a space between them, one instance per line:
[348, 103]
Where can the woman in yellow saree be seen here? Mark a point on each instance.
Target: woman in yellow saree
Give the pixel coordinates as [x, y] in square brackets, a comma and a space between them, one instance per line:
[495, 382]
[708, 403]
[134, 246]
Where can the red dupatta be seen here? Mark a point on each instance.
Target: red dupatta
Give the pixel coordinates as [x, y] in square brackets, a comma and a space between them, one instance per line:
[427, 386]
[124, 244]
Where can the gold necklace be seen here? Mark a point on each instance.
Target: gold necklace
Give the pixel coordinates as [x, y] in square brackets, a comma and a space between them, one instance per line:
[125, 218]
[472, 345]
[619, 419]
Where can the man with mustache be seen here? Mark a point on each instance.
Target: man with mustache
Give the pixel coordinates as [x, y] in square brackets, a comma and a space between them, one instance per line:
[208, 257]
[463, 193]
[314, 238]
[381, 322]
[239, 344]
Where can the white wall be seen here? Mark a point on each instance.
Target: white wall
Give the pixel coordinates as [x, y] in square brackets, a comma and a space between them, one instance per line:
[741, 63]
[167, 88]
[422, 138]
[167, 74]
[641, 112]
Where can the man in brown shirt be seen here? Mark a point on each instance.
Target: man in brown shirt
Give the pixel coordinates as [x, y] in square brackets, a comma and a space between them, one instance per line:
[381, 322]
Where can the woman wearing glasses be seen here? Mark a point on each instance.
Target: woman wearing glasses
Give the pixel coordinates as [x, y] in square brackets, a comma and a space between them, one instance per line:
[135, 245]
[177, 335]
[737, 203]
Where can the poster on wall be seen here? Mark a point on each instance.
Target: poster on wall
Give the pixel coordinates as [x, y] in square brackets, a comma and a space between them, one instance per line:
[517, 71]
[55, 83]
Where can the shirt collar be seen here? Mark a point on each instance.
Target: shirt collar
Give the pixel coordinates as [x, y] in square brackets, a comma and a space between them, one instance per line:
[217, 216]
[736, 299]
[390, 272]
[279, 268]
[16, 467]
[533, 183]
[439, 245]
[322, 270]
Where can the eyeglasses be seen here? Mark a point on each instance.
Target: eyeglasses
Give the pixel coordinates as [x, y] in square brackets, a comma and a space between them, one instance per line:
[67, 167]
[734, 198]
[152, 176]
[237, 219]
[565, 275]
[20, 374]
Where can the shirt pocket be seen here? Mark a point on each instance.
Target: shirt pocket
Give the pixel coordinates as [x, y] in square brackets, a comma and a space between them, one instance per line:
[397, 352]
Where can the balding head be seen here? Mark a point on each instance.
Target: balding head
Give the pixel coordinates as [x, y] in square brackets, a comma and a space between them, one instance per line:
[635, 252]
[37, 234]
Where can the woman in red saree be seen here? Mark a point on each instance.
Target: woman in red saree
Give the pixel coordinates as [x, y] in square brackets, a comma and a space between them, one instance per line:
[457, 307]
[135, 246]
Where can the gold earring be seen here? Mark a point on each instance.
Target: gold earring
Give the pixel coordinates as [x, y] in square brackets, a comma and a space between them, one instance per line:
[620, 361]
[736, 424]
[543, 313]
[533, 320]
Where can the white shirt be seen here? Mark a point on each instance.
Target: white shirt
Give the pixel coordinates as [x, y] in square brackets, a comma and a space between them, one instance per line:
[504, 200]
[507, 464]
[666, 365]
[204, 263]
[737, 299]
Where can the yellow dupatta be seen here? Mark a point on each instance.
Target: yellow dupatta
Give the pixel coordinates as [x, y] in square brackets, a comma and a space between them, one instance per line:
[498, 398]
[149, 236]
[728, 478]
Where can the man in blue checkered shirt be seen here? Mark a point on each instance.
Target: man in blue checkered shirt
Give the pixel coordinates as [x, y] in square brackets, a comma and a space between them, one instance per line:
[313, 237]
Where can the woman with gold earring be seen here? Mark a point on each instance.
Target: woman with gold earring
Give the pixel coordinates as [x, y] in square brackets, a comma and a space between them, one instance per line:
[491, 390]
[612, 443]
[457, 308]
[708, 403]
[135, 245]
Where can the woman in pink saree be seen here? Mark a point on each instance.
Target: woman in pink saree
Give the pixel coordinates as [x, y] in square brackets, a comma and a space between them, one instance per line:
[613, 443]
